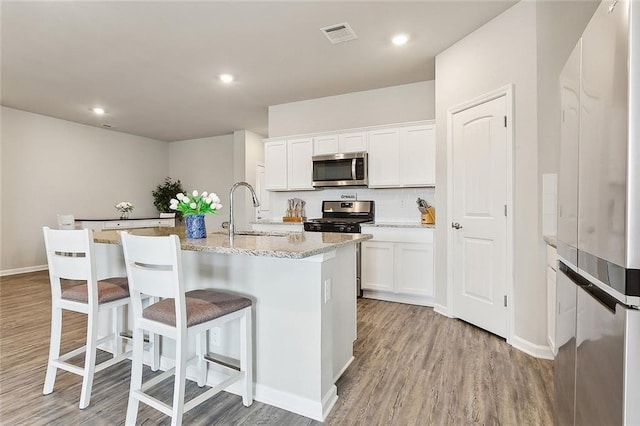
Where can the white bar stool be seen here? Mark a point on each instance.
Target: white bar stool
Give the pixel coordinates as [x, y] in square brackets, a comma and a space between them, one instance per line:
[70, 255]
[154, 268]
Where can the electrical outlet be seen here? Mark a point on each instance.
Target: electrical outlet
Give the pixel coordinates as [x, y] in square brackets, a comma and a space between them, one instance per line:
[215, 336]
[327, 290]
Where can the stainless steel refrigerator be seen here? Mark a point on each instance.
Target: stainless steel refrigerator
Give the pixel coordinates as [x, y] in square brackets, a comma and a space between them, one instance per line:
[597, 366]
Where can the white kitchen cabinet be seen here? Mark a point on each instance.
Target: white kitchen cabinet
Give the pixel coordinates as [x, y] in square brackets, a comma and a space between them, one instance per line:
[552, 261]
[340, 143]
[418, 155]
[105, 224]
[377, 260]
[352, 142]
[398, 265]
[275, 165]
[288, 165]
[299, 165]
[402, 157]
[384, 158]
[414, 269]
[326, 144]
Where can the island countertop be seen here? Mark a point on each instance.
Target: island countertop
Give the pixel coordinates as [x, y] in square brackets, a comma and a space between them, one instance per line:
[288, 245]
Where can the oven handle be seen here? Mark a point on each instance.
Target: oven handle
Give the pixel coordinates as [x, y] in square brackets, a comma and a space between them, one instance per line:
[594, 291]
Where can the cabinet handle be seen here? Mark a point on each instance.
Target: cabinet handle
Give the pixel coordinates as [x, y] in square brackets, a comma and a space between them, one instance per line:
[456, 225]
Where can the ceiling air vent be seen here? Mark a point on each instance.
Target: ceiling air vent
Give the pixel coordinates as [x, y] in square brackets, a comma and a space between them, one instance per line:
[339, 33]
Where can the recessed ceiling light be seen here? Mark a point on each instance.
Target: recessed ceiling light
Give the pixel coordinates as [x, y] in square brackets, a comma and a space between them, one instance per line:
[226, 78]
[97, 110]
[400, 39]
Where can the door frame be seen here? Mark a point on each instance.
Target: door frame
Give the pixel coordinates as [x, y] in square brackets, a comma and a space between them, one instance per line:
[508, 92]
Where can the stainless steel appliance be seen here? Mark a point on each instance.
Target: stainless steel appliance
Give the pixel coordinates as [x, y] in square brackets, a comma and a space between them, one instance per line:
[349, 169]
[597, 378]
[344, 216]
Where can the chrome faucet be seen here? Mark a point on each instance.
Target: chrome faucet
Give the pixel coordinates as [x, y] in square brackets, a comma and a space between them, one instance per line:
[254, 198]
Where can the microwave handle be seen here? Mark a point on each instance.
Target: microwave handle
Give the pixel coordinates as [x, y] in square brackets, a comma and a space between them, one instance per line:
[353, 168]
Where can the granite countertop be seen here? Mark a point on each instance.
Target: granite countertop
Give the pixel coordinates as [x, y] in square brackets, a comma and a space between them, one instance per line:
[274, 222]
[552, 240]
[118, 219]
[399, 225]
[287, 245]
[377, 224]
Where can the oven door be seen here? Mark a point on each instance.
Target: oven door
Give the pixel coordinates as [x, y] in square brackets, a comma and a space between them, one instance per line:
[348, 169]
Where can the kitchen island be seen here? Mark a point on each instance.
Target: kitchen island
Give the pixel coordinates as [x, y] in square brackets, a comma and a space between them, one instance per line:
[304, 299]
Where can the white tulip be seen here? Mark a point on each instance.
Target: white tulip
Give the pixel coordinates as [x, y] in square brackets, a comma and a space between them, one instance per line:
[215, 198]
[173, 207]
[194, 193]
[205, 193]
[193, 205]
[179, 195]
[218, 206]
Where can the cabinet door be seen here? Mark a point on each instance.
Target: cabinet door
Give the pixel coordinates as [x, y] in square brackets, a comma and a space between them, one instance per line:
[551, 309]
[377, 265]
[300, 168]
[414, 269]
[275, 165]
[353, 142]
[384, 158]
[323, 145]
[418, 156]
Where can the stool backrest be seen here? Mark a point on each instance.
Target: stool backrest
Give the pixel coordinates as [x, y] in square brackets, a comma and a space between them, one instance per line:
[154, 268]
[70, 256]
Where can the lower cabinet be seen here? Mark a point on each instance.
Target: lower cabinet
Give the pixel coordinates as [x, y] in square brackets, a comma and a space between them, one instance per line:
[552, 259]
[398, 266]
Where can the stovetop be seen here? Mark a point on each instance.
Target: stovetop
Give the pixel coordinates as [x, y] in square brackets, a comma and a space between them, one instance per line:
[342, 216]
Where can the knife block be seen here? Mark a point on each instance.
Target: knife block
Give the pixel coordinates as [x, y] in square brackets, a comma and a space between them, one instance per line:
[429, 218]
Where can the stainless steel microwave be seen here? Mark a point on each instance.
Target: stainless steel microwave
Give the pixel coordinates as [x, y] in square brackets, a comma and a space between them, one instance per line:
[349, 169]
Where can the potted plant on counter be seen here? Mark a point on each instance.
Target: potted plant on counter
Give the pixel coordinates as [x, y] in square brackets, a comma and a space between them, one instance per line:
[163, 194]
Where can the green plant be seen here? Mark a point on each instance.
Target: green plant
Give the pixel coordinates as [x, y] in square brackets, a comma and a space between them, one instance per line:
[163, 194]
[195, 203]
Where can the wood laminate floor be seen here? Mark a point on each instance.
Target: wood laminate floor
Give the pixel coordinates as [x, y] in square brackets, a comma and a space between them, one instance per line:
[412, 367]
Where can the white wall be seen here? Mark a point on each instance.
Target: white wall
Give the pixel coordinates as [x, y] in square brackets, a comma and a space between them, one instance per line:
[396, 104]
[52, 166]
[514, 48]
[205, 164]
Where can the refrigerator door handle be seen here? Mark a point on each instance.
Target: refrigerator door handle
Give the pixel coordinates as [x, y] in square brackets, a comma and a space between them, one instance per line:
[594, 291]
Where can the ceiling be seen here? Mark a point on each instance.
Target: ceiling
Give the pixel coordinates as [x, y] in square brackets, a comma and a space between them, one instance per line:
[153, 65]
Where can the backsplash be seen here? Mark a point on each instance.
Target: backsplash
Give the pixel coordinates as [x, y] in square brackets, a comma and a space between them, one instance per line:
[392, 205]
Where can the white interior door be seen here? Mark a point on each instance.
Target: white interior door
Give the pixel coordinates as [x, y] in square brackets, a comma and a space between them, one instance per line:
[479, 226]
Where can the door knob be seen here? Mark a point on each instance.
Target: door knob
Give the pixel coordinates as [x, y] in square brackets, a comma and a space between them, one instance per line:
[456, 225]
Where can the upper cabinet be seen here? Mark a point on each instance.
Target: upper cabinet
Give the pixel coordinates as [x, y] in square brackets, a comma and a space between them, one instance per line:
[288, 164]
[340, 143]
[402, 157]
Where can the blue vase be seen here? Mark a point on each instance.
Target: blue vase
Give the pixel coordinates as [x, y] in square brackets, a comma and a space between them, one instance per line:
[195, 226]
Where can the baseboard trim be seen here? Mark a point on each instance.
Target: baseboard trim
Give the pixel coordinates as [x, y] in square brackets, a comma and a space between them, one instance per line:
[538, 351]
[442, 310]
[398, 298]
[24, 270]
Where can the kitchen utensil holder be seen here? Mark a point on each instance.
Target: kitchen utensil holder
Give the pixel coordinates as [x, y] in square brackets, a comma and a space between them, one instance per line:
[428, 218]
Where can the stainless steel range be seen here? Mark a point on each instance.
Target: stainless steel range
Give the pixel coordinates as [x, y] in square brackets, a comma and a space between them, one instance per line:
[344, 216]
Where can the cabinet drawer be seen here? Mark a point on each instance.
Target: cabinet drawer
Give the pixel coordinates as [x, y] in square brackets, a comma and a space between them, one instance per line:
[403, 235]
